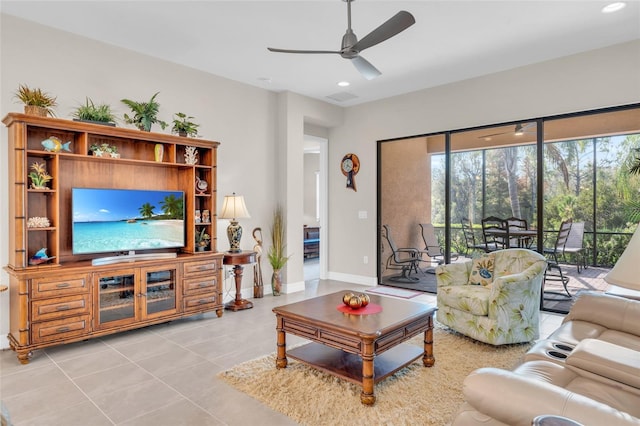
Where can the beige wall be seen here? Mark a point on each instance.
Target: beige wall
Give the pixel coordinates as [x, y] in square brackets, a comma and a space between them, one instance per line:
[245, 119]
[261, 156]
[596, 79]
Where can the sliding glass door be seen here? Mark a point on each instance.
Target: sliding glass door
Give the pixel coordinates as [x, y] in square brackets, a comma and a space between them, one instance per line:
[543, 171]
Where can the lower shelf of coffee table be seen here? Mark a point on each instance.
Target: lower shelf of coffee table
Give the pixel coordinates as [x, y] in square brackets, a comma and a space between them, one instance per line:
[349, 366]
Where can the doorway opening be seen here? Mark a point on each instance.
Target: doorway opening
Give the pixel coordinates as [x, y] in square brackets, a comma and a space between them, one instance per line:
[315, 207]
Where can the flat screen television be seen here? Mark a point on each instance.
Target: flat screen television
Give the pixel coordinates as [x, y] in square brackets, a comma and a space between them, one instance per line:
[126, 220]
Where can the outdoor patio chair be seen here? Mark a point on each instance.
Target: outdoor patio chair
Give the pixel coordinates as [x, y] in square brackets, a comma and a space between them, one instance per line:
[470, 237]
[516, 224]
[404, 259]
[495, 233]
[432, 247]
[574, 246]
[554, 270]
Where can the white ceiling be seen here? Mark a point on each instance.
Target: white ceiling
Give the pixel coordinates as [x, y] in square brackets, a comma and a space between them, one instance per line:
[452, 40]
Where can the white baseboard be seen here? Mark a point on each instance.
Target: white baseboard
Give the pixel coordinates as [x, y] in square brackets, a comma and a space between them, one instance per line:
[247, 293]
[293, 287]
[355, 279]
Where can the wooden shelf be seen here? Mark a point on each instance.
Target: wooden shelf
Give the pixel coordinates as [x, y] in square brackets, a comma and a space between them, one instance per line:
[79, 168]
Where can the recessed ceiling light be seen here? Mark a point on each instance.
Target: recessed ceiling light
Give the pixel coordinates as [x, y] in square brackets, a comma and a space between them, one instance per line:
[343, 83]
[613, 7]
[265, 79]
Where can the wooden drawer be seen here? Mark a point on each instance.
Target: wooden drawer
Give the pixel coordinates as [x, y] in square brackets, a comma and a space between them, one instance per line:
[201, 302]
[200, 285]
[59, 286]
[201, 267]
[59, 307]
[49, 331]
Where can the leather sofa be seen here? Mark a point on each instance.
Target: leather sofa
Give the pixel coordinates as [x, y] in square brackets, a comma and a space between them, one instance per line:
[588, 370]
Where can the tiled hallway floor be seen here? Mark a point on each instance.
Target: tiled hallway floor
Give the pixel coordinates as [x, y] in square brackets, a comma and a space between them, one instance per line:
[159, 375]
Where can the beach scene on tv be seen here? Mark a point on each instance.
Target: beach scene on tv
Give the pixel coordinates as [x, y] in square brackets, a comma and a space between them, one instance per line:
[112, 220]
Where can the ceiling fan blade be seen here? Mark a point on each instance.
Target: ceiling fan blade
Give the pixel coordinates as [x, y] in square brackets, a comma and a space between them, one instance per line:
[272, 49]
[367, 70]
[518, 130]
[492, 134]
[394, 25]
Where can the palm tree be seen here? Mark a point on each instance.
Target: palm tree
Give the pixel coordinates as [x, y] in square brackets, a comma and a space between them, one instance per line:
[146, 210]
[172, 206]
[624, 181]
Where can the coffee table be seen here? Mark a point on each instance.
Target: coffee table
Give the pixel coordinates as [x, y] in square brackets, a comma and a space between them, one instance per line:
[363, 349]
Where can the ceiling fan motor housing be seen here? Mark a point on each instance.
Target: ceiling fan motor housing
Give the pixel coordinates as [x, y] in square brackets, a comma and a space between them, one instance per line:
[349, 39]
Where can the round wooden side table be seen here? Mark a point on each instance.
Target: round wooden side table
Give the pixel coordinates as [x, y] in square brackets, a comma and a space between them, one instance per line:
[237, 259]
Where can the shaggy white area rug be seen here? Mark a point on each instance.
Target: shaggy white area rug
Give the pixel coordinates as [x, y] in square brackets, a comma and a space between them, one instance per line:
[415, 395]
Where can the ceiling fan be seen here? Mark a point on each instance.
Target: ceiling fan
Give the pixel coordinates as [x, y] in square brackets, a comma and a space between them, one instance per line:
[351, 47]
[518, 130]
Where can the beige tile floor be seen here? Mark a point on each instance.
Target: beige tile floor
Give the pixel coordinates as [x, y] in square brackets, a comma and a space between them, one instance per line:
[159, 375]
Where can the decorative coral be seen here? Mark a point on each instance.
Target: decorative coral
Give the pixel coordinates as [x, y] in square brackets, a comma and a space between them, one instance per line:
[38, 222]
[191, 155]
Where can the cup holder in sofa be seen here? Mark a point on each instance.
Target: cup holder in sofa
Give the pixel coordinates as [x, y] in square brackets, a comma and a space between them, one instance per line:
[549, 350]
[557, 355]
[563, 347]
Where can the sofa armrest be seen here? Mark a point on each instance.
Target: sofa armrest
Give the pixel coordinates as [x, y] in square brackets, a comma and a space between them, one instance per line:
[517, 400]
[607, 360]
[514, 286]
[613, 312]
[453, 274]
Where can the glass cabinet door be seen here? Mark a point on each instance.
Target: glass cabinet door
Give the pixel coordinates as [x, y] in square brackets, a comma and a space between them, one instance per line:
[116, 297]
[161, 290]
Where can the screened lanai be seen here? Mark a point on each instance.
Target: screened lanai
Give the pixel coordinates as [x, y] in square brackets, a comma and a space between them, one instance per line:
[545, 171]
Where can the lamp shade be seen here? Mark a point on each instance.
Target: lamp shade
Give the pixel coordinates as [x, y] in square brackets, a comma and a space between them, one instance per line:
[625, 272]
[233, 207]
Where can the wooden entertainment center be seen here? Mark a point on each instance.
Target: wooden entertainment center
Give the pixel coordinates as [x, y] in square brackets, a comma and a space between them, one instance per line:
[68, 297]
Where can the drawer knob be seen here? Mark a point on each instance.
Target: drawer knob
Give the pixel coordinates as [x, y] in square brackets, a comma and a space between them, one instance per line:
[62, 329]
[63, 308]
[63, 285]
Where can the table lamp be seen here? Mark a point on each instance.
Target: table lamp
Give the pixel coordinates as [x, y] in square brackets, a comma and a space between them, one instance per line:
[233, 208]
[625, 272]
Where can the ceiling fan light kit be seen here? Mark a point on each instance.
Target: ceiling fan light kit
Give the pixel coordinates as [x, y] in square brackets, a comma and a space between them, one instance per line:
[351, 47]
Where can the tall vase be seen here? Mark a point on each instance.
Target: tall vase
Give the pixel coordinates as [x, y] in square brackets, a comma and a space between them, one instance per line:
[159, 152]
[276, 282]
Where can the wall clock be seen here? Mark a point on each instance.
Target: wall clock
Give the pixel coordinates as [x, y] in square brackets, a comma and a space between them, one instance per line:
[350, 166]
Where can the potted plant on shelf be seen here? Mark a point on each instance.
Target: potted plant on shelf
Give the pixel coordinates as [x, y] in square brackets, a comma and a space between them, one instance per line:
[276, 253]
[104, 150]
[100, 114]
[36, 102]
[39, 176]
[145, 114]
[183, 126]
[202, 239]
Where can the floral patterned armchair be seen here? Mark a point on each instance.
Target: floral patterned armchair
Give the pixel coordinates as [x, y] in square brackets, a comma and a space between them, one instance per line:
[494, 298]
